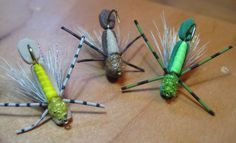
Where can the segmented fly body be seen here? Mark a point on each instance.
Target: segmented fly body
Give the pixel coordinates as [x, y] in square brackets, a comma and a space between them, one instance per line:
[112, 56]
[177, 57]
[45, 87]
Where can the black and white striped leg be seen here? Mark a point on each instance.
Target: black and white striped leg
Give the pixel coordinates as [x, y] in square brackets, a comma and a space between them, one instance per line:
[129, 45]
[89, 60]
[134, 66]
[23, 104]
[87, 103]
[206, 60]
[208, 109]
[34, 125]
[86, 42]
[72, 65]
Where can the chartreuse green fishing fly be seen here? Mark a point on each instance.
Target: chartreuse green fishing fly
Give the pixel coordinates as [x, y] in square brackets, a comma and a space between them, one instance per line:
[180, 53]
[45, 84]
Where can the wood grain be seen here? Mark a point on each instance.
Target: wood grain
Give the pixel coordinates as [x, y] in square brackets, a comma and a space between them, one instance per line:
[224, 10]
[140, 116]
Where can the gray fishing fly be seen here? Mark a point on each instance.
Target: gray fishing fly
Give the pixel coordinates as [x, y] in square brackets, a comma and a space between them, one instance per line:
[112, 56]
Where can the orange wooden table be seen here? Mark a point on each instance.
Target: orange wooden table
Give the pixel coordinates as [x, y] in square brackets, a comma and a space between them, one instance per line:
[140, 116]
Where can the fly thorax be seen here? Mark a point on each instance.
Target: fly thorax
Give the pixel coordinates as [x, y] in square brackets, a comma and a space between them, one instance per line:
[169, 85]
[113, 66]
[58, 110]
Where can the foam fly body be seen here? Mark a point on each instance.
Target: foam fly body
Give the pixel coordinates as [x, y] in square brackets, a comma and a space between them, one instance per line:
[178, 54]
[108, 41]
[46, 88]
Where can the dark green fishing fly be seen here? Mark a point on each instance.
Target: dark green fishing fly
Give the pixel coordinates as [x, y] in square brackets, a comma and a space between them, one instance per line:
[174, 69]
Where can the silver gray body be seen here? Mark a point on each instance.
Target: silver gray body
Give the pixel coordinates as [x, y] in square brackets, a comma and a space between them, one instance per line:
[113, 61]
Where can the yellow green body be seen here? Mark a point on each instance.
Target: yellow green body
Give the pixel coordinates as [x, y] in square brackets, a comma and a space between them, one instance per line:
[45, 82]
[56, 106]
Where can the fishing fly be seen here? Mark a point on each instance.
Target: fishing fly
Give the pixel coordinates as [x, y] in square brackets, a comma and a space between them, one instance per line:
[174, 53]
[112, 56]
[44, 85]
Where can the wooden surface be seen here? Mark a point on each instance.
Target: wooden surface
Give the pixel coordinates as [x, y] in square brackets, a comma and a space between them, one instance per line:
[220, 9]
[140, 116]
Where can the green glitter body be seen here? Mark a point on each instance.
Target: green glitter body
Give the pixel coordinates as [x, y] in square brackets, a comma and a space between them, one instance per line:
[169, 86]
[58, 109]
